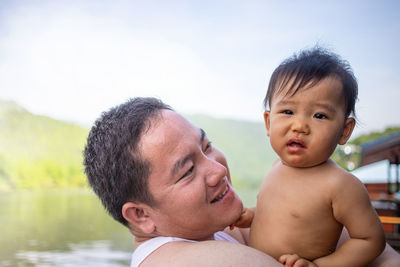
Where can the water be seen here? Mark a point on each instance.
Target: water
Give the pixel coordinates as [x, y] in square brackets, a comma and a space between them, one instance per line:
[64, 228]
[60, 228]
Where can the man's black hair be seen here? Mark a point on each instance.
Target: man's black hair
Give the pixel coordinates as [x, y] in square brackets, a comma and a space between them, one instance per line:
[113, 163]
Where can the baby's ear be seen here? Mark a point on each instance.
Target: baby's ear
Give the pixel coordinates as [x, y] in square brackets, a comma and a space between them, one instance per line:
[267, 121]
[347, 130]
[137, 214]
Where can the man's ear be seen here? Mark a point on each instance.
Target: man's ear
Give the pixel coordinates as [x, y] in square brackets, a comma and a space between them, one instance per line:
[347, 130]
[267, 120]
[137, 214]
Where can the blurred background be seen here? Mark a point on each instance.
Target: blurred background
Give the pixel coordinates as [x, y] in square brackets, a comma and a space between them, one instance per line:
[64, 62]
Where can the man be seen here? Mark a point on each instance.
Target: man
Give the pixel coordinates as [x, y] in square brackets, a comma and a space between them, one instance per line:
[159, 175]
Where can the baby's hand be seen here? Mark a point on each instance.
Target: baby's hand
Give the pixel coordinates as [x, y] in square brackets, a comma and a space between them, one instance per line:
[293, 260]
[245, 219]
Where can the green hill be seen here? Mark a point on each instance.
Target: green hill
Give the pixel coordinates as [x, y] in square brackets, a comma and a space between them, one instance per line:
[41, 152]
[37, 151]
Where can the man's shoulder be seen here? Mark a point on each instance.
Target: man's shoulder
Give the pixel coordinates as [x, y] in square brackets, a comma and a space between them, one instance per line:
[207, 253]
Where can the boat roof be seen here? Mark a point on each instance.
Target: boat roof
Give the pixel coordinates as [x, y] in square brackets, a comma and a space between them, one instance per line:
[374, 173]
[384, 148]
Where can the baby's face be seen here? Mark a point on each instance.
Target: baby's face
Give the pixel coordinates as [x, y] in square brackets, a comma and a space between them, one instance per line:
[305, 128]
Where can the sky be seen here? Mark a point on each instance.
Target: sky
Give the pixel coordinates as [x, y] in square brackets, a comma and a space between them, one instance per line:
[71, 60]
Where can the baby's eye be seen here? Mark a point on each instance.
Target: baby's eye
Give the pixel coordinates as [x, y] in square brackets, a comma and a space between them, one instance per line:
[320, 116]
[287, 112]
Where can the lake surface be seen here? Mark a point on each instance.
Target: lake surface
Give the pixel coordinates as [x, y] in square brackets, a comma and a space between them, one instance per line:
[64, 228]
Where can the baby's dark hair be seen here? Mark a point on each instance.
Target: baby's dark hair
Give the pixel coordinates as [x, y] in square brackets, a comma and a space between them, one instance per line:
[308, 68]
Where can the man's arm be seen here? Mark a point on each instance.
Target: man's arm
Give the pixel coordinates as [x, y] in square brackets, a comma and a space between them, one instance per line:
[208, 253]
[388, 258]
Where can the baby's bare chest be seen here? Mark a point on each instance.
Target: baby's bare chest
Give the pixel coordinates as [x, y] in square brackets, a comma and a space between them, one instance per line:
[303, 202]
[295, 217]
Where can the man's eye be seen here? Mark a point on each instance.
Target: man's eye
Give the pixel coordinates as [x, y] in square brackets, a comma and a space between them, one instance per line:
[287, 112]
[320, 116]
[189, 172]
[208, 147]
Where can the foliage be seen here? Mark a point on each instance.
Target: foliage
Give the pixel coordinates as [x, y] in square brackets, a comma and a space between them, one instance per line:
[374, 135]
[37, 151]
[351, 159]
[40, 152]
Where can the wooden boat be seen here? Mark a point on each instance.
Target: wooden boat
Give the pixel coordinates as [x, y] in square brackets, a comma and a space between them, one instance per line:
[385, 195]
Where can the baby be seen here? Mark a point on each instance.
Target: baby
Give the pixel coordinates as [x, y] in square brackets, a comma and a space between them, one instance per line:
[306, 199]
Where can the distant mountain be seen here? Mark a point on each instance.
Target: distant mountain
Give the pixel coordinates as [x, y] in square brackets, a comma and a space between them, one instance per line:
[38, 151]
[41, 152]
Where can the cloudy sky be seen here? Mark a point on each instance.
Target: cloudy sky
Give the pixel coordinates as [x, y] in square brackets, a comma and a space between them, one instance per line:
[72, 60]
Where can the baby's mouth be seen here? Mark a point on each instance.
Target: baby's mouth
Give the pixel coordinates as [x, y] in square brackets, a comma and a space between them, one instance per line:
[295, 144]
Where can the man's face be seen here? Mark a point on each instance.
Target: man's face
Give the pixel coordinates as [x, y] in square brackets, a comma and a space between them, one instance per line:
[189, 180]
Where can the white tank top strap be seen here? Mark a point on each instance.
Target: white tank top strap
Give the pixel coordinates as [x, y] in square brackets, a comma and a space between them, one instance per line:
[145, 249]
[222, 236]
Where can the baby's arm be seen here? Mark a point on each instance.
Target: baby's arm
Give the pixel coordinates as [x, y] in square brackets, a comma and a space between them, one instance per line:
[352, 207]
[246, 218]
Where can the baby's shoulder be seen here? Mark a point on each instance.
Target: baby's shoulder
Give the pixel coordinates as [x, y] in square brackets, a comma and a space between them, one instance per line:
[339, 177]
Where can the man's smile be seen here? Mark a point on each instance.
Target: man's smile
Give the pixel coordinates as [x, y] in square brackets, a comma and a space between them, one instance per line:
[220, 196]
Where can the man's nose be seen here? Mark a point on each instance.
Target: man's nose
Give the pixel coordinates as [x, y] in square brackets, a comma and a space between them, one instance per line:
[300, 125]
[215, 172]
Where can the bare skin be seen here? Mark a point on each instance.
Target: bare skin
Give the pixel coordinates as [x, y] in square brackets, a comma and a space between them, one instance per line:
[144, 220]
[306, 199]
[314, 208]
[190, 181]
[210, 254]
[218, 253]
